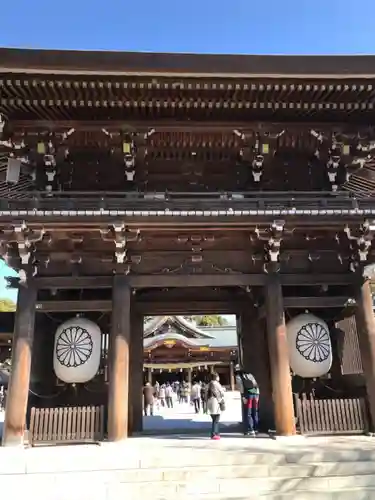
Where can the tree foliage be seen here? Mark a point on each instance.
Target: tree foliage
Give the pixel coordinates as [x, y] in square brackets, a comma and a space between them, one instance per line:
[210, 320]
[7, 305]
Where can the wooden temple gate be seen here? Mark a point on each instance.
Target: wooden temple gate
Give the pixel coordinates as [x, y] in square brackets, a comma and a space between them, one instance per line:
[141, 191]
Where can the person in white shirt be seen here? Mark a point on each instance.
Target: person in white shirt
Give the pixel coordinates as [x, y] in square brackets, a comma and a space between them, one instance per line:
[169, 395]
[215, 404]
[196, 396]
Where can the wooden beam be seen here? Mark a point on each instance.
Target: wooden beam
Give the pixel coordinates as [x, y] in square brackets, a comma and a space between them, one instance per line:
[144, 307]
[191, 280]
[338, 302]
[228, 280]
[189, 307]
[73, 282]
[140, 126]
[73, 306]
[316, 302]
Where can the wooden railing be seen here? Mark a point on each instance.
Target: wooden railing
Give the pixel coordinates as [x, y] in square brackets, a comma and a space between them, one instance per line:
[251, 200]
[331, 416]
[66, 425]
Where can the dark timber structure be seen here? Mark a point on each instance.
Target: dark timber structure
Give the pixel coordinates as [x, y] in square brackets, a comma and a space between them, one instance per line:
[152, 184]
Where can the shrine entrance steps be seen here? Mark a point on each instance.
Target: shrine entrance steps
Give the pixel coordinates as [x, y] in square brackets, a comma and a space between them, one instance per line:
[178, 468]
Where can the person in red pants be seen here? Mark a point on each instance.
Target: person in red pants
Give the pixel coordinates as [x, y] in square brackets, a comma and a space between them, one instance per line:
[249, 388]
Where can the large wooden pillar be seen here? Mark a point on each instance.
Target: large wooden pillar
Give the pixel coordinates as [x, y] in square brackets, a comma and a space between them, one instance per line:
[136, 374]
[366, 337]
[118, 390]
[279, 358]
[255, 359]
[232, 383]
[18, 390]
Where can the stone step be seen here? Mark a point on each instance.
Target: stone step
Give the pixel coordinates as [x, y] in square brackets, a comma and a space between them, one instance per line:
[282, 482]
[241, 486]
[125, 459]
[353, 494]
[199, 474]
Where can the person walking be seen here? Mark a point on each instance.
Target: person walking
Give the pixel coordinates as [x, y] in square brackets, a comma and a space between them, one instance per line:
[148, 399]
[169, 395]
[196, 396]
[249, 389]
[185, 392]
[162, 395]
[215, 404]
[204, 388]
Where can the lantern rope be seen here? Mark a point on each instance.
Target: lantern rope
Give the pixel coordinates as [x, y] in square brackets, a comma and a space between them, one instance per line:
[42, 396]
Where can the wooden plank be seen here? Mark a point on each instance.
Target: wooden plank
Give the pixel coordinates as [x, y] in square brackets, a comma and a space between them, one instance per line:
[79, 424]
[300, 416]
[316, 302]
[146, 307]
[45, 412]
[32, 424]
[311, 303]
[189, 307]
[73, 282]
[50, 424]
[342, 416]
[73, 306]
[198, 280]
[313, 414]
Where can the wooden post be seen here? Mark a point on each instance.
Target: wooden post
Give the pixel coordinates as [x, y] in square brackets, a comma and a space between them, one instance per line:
[279, 359]
[366, 338]
[255, 359]
[136, 374]
[118, 390]
[18, 390]
[231, 376]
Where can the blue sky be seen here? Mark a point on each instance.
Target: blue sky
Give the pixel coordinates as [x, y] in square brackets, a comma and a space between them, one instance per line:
[239, 26]
[204, 26]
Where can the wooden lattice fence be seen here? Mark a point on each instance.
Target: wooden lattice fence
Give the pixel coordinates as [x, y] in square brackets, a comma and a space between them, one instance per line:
[77, 424]
[332, 416]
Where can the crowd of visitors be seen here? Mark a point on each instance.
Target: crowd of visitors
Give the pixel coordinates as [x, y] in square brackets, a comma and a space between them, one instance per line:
[168, 394]
[207, 397]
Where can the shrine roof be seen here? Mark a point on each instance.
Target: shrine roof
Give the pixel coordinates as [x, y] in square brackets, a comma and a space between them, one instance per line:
[179, 322]
[214, 337]
[15, 60]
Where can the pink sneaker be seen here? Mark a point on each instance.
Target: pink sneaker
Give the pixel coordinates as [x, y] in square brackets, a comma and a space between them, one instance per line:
[216, 438]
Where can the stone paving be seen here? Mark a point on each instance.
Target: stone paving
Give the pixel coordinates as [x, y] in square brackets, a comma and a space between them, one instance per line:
[182, 417]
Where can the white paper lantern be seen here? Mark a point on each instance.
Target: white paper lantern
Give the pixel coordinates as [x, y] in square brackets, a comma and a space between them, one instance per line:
[76, 353]
[310, 348]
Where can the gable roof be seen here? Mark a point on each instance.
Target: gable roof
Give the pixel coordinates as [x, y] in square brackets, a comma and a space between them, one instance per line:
[205, 336]
[182, 324]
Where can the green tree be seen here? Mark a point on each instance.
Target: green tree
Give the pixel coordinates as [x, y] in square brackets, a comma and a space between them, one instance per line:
[7, 305]
[210, 320]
